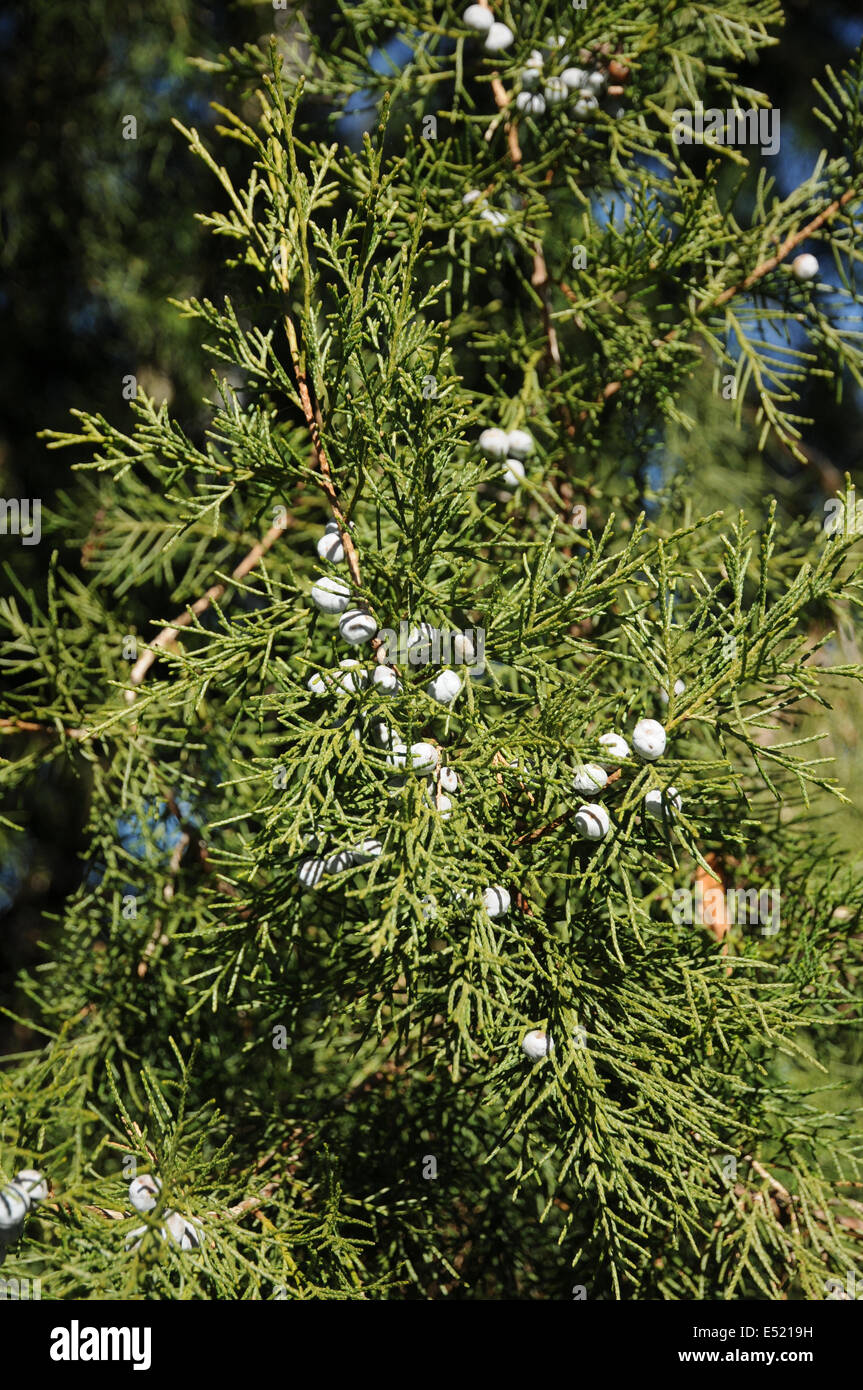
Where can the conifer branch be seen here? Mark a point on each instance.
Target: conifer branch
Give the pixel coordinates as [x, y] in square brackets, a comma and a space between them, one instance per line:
[790, 244]
[539, 275]
[169, 635]
[314, 424]
[249, 1204]
[285, 910]
[531, 836]
[326, 477]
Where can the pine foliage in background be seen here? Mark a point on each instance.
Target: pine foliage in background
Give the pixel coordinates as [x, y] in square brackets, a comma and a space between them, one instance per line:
[330, 1079]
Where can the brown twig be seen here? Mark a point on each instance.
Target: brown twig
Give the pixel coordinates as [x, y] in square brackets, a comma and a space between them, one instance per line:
[502, 101]
[774, 1183]
[249, 1204]
[533, 835]
[539, 276]
[314, 424]
[27, 726]
[501, 98]
[169, 634]
[740, 287]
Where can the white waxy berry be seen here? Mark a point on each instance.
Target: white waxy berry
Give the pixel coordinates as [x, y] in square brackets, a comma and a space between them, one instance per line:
[590, 778]
[617, 745]
[659, 804]
[382, 734]
[135, 1236]
[330, 547]
[494, 443]
[353, 677]
[575, 78]
[183, 1231]
[448, 779]
[397, 757]
[423, 756]
[805, 266]
[144, 1192]
[478, 17]
[445, 688]
[422, 643]
[494, 216]
[366, 850]
[537, 1044]
[499, 36]
[463, 650]
[496, 901]
[317, 684]
[519, 444]
[513, 474]
[443, 803]
[310, 872]
[585, 104]
[31, 1184]
[532, 103]
[357, 626]
[678, 688]
[597, 82]
[648, 739]
[385, 680]
[339, 862]
[555, 90]
[592, 821]
[330, 595]
[13, 1208]
[471, 195]
[529, 76]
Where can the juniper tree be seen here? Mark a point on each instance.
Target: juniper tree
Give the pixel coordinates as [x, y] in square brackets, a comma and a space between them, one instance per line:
[399, 978]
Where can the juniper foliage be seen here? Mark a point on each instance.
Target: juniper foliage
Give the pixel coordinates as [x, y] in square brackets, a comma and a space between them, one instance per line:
[331, 1080]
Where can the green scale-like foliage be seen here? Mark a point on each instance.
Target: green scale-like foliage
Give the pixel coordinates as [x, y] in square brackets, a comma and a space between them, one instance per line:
[665, 1147]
